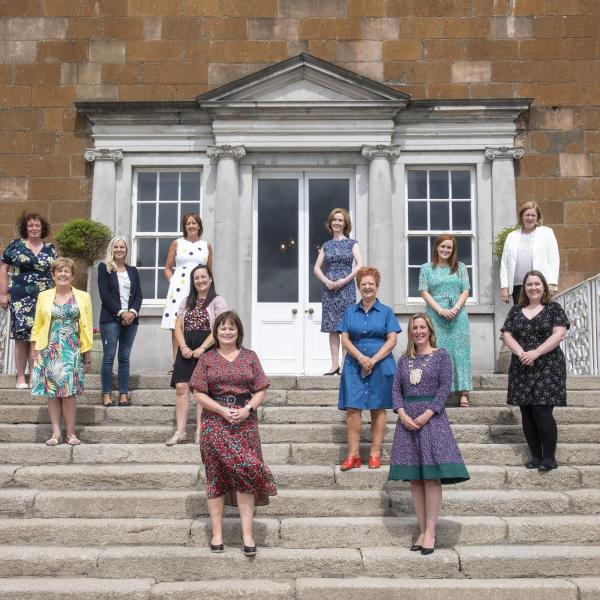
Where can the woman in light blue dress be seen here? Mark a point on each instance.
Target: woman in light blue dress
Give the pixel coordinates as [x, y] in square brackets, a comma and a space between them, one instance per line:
[444, 285]
[369, 330]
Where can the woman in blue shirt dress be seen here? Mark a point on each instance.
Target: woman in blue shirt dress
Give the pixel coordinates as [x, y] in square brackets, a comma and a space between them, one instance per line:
[369, 330]
[444, 285]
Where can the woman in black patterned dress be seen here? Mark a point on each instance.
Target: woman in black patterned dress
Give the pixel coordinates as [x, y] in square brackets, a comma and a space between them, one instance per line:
[537, 379]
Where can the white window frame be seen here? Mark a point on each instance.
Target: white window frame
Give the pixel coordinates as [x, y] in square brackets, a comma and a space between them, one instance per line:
[474, 278]
[173, 235]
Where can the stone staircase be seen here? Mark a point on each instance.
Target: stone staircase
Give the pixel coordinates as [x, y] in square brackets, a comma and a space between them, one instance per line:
[123, 517]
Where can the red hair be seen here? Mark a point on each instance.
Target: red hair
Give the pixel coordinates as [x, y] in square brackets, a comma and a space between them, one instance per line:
[372, 271]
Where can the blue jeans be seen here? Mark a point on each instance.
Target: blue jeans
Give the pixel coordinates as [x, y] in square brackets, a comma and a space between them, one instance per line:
[113, 335]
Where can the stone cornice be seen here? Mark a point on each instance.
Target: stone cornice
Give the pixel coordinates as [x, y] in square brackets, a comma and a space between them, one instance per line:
[226, 151]
[381, 151]
[504, 152]
[94, 154]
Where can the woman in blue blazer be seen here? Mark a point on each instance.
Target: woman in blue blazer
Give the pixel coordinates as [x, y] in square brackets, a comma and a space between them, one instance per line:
[121, 296]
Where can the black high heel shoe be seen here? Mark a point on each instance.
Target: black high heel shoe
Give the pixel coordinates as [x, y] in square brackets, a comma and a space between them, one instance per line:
[415, 548]
[217, 548]
[249, 550]
[336, 372]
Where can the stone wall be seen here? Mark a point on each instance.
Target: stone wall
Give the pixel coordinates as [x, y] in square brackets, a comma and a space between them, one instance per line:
[54, 52]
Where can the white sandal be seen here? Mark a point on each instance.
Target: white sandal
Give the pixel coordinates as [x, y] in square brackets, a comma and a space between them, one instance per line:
[177, 438]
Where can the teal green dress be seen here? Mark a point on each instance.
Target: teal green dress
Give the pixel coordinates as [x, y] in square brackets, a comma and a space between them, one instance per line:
[454, 336]
[58, 368]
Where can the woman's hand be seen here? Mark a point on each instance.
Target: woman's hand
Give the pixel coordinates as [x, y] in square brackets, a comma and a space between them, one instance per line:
[4, 301]
[529, 357]
[408, 423]
[446, 314]
[423, 418]
[127, 318]
[330, 285]
[504, 293]
[366, 364]
[186, 352]
[227, 413]
[239, 415]
[340, 283]
[198, 352]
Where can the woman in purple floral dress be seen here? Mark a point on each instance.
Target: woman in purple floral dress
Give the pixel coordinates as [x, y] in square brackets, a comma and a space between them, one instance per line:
[424, 451]
[333, 269]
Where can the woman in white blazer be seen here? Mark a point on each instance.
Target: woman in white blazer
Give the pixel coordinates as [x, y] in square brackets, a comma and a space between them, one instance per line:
[532, 246]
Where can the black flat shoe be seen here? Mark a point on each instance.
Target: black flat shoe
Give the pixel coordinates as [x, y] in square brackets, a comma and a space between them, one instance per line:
[217, 548]
[534, 463]
[249, 550]
[547, 465]
[336, 372]
[415, 548]
[425, 551]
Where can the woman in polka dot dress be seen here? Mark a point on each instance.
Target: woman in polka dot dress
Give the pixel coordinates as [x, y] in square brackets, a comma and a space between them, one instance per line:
[184, 254]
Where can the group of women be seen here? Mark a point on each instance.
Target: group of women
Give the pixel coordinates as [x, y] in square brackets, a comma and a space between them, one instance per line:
[52, 325]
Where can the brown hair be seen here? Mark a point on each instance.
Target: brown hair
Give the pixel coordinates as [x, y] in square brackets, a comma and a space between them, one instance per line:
[229, 315]
[61, 262]
[546, 296]
[452, 262]
[347, 220]
[528, 206]
[196, 218]
[25, 218]
[364, 271]
[410, 345]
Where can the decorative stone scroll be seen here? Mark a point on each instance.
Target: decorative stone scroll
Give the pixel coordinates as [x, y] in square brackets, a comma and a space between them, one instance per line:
[226, 151]
[93, 154]
[381, 151]
[504, 152]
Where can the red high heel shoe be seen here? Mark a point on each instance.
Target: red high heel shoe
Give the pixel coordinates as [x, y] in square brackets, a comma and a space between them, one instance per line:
[351, 462]
[374, 462]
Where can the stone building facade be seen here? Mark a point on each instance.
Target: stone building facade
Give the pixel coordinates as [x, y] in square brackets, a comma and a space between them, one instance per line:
[227, 105]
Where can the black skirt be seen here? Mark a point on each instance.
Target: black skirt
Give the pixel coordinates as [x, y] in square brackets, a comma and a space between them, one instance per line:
[184, 367]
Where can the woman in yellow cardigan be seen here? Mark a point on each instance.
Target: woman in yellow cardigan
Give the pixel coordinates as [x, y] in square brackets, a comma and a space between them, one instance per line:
[63, 334]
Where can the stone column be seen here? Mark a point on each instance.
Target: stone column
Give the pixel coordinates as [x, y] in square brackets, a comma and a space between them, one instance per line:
[104, 184]
[104, 200]
[227, 211]
[380, 250]
[504, 214]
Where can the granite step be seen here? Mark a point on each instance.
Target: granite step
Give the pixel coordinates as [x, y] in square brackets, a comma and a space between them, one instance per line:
[165, 564]
[191, 476]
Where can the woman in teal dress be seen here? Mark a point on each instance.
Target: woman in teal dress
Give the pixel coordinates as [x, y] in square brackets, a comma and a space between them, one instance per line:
[444, 285]
[62, 332]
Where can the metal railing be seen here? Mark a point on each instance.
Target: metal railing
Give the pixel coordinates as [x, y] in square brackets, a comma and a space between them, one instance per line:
[582, 305]
[6, 344]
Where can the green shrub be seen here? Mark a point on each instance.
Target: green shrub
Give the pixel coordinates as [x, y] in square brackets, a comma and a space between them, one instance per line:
[501, 239]
[83, 239]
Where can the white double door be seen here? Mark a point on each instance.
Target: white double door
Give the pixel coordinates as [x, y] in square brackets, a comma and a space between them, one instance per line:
[289, 213]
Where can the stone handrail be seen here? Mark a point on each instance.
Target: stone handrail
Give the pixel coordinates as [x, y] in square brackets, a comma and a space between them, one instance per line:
[582, 305]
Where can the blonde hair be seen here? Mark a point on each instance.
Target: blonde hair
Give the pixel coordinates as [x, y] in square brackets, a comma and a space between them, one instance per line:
[527, 206]
[109, 259]
[347, 220]
[61, 262]
[410, 345]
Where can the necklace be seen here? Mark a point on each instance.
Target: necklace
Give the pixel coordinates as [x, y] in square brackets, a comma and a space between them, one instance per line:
[414, 375]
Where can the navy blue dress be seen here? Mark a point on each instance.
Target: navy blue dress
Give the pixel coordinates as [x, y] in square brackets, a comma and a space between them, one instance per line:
[30, 276]
[368, 332]
[337, 264]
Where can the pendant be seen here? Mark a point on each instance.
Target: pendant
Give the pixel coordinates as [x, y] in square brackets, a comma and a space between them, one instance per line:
[414, 376]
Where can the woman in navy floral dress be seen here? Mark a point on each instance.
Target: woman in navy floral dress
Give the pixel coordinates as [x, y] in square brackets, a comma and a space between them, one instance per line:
[537, 379]
[230, 384]
[334, 269]
[30, 260]
[424, 451]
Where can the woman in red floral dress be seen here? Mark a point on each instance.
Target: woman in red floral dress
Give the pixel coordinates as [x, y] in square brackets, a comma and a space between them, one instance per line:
[230, 384]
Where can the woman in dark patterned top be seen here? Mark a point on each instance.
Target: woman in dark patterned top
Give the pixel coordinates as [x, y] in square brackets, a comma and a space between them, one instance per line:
[30, 259]
[537, 379]
[333, 269]
[195, 318]
[230, 384]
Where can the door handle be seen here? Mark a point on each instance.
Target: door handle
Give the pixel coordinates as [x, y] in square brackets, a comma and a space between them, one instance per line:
[294, 311]
[310, 311]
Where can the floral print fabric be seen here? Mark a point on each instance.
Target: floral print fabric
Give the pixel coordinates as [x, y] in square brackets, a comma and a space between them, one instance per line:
[337, 264]
[232, 454]
[545, 382]
[454, 336]
[30, 276]
[58, 368]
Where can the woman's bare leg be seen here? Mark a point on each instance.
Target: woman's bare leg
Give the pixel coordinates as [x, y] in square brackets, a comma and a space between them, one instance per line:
[69, 410]
[182, 406]
[216, 507]
[433, 507]
[334, 348]
[21, 359]
[353, 429]
[246, 506]
[378, 423]
[55, 413]
[417, 492]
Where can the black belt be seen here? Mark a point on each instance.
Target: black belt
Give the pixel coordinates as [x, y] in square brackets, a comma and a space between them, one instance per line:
[239, 400]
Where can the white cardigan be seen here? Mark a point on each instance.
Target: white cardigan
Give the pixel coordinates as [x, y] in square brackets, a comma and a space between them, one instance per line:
[545, 257]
